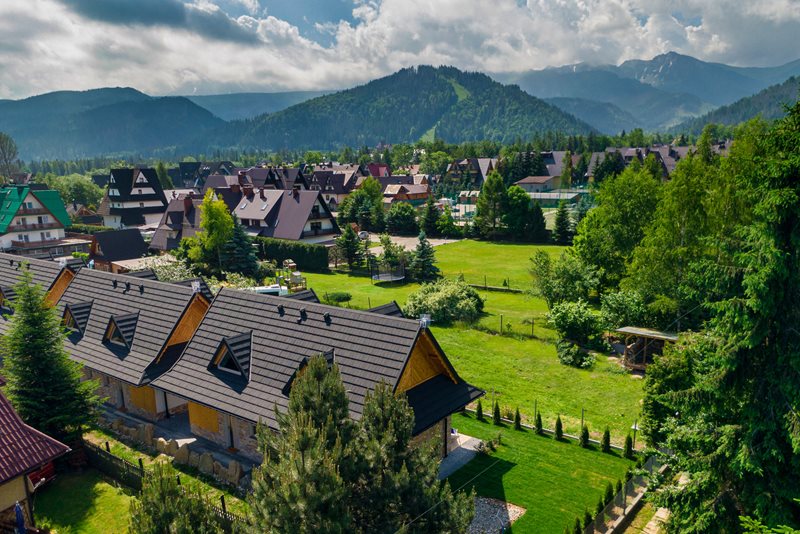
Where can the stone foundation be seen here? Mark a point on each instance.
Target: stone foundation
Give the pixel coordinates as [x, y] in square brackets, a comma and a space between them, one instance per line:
[244, 439]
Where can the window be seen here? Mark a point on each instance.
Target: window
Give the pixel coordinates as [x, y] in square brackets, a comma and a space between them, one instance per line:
[233, 356]
[116, 337]
[69, 321]
[121, 330]
[23, 220]
[139, 191]
[227, 362]
[25, 238]
[28, 205]
[141, 204]
[316, 226]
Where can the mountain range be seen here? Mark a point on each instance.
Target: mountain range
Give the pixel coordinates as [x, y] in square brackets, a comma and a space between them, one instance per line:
[670, 92]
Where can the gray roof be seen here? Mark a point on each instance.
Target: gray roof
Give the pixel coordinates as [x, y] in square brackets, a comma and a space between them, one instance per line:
[146, 312]
[306, 295]
[648, 333]
[390, 308]
[44, 273]
[367, 347]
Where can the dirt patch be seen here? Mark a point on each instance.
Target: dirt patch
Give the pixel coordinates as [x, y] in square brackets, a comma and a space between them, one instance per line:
[493, 514]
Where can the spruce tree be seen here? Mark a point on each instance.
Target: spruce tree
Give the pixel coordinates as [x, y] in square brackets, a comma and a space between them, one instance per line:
[490, 205]
[536, 228]
[238, 255]
[605, 443]
[496, 419]
[583, 440]
[423, 266]
[350, 247]
[429, 218]
[609, 494]
[43, 384]
[163, 176]
[562, 233]
[559, 428]
[566, 171]
[538, 422]
[479, 411]
[517, 420]
[627, 451]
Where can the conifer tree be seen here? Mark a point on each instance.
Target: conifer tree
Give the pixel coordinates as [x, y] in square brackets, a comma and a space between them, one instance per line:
[517, 420]
[536, 227]
[566, 170]
[627, 451]
[577, 529]
[43, 384]
[490, 205]
[559, 428]
[479, 411]
[496, 419]
[587, 519]
[423, 266]
[348, 244]
[429, 218]
[237, 254]
[583, 440]
[605, 443]
[562, 233]
[609, 494]
[538, 422]
[163, 176]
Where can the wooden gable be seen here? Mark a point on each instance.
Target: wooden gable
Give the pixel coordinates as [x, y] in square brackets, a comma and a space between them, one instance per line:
[60, 285]
[188, 323]
[425, 362]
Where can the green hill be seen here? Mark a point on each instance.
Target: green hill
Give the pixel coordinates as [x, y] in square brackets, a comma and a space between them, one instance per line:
[402, 107]
[768, 103]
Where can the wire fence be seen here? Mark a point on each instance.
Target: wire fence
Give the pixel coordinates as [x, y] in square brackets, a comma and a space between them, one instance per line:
[132, 476]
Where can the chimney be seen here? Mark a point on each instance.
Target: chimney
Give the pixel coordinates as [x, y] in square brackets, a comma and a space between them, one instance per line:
[187, 204]
[261, 194]
[242, 177]
[296, 193]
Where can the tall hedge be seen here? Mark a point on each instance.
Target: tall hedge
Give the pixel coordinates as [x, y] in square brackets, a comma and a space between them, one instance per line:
[307, 256]
[88, 229]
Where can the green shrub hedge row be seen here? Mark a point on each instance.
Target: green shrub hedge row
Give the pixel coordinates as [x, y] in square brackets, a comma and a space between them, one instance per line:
[308, 257]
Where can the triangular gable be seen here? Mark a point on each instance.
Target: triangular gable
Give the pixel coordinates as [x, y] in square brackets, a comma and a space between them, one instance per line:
[233, 355]
[121, 329]
[76, 316]
[7, 296]
[330, 357]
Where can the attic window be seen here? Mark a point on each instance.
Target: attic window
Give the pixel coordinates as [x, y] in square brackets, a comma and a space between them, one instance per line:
[233, 355]
[76, 316]
[243, 206]
[121, 329]
[141, 179]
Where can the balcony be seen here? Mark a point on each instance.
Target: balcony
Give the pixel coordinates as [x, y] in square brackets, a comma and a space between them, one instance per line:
[35, 244]
[27, 227]
[32, 211]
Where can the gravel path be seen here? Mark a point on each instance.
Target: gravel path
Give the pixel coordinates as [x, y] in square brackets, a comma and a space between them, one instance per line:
[491, 515]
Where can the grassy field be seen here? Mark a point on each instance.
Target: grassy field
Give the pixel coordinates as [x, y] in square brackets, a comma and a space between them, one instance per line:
[554, 481]
[520, 370]
[83, 502]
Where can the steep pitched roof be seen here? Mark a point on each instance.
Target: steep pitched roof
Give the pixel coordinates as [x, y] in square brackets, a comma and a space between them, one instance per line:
[285, 211]
[115, 245]
[367, 347]
[307, 295]
[184, 222]
[44, 272]
[12, 197]
[391, 308]
[125, 181]
[146, 312]
[22, 448]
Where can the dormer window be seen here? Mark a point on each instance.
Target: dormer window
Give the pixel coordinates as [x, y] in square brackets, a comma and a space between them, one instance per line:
[76, 316]
[121, 329]
[233, 355]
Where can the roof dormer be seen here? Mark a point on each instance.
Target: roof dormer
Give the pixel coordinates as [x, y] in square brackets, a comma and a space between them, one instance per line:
[233, 355]
[76, 316]
[121, 329]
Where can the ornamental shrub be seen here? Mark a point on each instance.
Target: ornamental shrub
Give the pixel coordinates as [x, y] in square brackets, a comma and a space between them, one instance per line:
[609, 494]
[479, 411]
[307, 256]
[538, 423]
[496, 419]
[605, 443]
[583, 440]
[559, 428]
[517, 420]
[574, 321]
[627, 452]
[338, 297]
[446, 300]
[570, 354]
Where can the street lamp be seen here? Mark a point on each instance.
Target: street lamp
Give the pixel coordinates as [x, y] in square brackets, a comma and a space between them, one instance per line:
[635, 427]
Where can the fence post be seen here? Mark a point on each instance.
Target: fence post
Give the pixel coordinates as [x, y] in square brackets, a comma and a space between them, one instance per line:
[369, 302]
[108, 448]
[222, 502]
[141, 466]
[501, 324]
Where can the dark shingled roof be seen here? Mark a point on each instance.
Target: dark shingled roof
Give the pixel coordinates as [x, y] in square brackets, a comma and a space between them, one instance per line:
[117, 245]
[22, 448]
[146, 312]
[204, 289]
[80, 312]
[146, 274]
[391, 308]
[368, 348]
[44, 273]
[307, 295]
[438, 396]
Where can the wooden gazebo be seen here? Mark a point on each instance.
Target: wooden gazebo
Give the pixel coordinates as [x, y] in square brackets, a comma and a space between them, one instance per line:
[641, 344]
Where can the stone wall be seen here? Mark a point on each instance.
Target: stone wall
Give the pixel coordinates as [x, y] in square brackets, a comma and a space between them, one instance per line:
[244, 439]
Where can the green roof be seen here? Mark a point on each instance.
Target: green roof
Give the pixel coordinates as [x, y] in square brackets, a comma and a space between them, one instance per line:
[12, 196]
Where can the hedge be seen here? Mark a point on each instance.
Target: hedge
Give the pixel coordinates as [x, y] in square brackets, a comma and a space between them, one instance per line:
[308, 257]
[88, 229]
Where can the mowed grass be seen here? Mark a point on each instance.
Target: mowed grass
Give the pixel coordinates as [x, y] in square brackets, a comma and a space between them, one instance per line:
[520, 369]
[83, 502]
[555, 481]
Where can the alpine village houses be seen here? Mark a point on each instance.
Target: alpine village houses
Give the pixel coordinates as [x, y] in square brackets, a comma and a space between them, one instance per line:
[168, 350]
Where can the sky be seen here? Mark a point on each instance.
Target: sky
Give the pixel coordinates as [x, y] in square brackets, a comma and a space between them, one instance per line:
[173, 47]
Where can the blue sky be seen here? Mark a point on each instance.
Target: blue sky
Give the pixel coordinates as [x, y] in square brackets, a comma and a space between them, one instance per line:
[166, 47]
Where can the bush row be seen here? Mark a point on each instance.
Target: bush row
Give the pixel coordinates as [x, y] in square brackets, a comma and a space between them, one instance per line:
[88, 229]
[308, 257]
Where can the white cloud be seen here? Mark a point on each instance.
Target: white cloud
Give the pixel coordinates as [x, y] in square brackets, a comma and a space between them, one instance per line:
[69, 44]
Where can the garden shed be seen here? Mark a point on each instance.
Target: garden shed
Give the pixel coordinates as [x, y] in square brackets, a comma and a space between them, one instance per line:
[641, 344]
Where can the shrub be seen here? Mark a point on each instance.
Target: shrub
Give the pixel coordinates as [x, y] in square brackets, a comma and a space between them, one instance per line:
[583, 441]
[496, 419]
[402, 219]
[479, 411]
[538, 424]
[559, 428]
[609, 495]
[574, 321]
[570, 354]
[618, 487]
[307, 256]
[599, 508]
[88, 229]
[627, 452]
[623, 308]
[577, 529]
[446, 300]
[338, 297]
[605, 443]
[517, 420]
[587, 519]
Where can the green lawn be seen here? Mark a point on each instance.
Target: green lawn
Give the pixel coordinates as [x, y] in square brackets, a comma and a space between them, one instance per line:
[83, 502]
[554, 481]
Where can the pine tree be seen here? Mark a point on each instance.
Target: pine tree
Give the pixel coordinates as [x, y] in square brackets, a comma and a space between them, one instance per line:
[538, 423]
[496, 419]
[627, 451]
[423, 266]
[517, 420]
[43, 384]
[165, 506]
[429, 218]
[479, 411]
[348, 244]
[583, 440]
[490, 205]
[559, 428]
[536, 227]
[605, 443]
[562, 233]
[237, 254]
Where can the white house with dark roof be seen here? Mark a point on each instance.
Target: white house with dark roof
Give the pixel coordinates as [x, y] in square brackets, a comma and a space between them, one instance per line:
[134, 198]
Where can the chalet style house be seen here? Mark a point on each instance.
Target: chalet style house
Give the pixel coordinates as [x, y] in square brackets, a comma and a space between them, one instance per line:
[134, 198]
[33, 220]
[287, 214]
[470, 172]
[26, 456]
[182, 219]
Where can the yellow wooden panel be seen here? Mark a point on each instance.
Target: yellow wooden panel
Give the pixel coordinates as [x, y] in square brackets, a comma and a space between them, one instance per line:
[189, 321]
[59, 286]
[203, 417]
[424, 363]
[144, 398]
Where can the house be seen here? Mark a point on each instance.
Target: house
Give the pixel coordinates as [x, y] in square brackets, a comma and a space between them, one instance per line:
[134, 198]
[276, 177]
[233, 373]
[182, 219]
[334, 186]
[100, 180]
[470, 172]
[113, 246]
[126, 331]
[287, 214]
[539, 184]
[468, 197]
[33, 221]
[410, 193]
[24, 453]
[192, 174]
[379, 170]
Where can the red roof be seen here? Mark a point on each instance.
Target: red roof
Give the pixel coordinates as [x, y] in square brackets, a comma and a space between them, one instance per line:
[22, 448]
